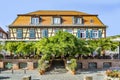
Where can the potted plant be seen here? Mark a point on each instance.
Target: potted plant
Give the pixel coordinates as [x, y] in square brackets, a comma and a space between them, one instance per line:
[43, 64]
[72, 66]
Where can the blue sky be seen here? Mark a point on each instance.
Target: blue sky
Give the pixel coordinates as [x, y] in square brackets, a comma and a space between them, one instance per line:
[108, 10]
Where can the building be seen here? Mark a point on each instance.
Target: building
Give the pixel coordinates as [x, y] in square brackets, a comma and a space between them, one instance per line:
[3, 34]
[38, 24]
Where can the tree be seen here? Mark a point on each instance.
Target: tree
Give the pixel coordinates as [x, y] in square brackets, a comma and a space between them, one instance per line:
[61, 44]
[26, 48]
[100, 45]
[11, 47]
[107, 44]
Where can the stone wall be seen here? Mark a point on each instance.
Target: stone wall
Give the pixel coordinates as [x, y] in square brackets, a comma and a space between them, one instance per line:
[85, 63]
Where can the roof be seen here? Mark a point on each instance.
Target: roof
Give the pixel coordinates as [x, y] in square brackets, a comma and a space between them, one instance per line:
[1, 30]
[56, 12]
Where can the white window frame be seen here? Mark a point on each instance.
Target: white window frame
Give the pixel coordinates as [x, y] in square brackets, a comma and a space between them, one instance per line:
[34, 20]
[77, 20]
[83, 33]
[95, 34]
[56, 20]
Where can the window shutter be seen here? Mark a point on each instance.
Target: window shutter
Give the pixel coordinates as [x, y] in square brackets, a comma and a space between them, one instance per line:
[87, 34]
[46, 33]
[78, 33]
[82, 21]
[91, 34]
[61, 20]
[40, 19]
[99, 34]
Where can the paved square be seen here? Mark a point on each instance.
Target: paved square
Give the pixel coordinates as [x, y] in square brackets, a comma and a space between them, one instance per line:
[19, 74]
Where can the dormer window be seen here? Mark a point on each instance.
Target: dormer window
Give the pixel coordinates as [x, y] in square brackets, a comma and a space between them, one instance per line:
[36, 20]
[56, 20]
[77, 20]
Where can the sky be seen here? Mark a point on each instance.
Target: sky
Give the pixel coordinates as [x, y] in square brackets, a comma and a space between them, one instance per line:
[108, 10]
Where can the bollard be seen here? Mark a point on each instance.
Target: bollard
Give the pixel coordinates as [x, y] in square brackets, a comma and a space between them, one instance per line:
[88, 78]
[12, 71]
[0, 70]
[26, 78]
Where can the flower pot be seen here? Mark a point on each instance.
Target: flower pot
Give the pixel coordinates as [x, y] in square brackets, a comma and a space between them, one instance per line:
[73, 72]
[42, 72]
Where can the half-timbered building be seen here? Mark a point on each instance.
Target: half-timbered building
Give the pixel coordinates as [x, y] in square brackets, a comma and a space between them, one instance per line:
[38, 24]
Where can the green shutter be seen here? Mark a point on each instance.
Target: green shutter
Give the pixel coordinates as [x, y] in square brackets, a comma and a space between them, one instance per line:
[91, 34]
[78, 33]
[99, 33]
[87, 33]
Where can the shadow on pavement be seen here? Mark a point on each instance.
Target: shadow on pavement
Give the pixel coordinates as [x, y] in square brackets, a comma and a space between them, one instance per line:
[1, 77]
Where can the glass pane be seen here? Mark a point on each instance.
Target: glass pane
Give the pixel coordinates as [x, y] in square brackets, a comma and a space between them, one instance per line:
[95, 34]
[69, 30]
[44, 33]
[56, 20]
[77, 20]
[32, 33]
[35, 20]
[19, 33]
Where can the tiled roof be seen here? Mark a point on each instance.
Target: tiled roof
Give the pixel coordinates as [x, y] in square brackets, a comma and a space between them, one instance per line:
[1, 30]
[55, 12]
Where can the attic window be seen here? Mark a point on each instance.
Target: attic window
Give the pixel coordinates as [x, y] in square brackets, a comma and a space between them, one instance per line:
[36, 20]
[77, 20]
[56, 20]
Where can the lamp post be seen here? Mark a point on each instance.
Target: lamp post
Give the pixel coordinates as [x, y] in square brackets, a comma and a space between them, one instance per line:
[117, 40]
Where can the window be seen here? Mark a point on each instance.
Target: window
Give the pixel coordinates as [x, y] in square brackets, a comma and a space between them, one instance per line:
[56, 20]
[56, 30]
[69, 30]
[32, 33]
[19, 33]
[77, 20]
[36, 20]
[95, 34]
[82, 33]
[44, 33]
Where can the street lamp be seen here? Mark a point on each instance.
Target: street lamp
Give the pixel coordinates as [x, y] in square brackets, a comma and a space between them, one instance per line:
[117, 40]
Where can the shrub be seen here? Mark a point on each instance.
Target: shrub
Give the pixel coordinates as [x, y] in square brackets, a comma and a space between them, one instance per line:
[1, 56]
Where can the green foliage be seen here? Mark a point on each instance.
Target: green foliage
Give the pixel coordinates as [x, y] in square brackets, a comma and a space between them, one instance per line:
[102, 44]
[25, 48]
[1, 47]
[72, 65]
[61, 44]
[11, 46]
[42, 65]
[1, 56]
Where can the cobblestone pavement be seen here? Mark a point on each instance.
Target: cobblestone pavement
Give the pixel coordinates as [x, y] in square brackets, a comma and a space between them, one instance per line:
[19, 74]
